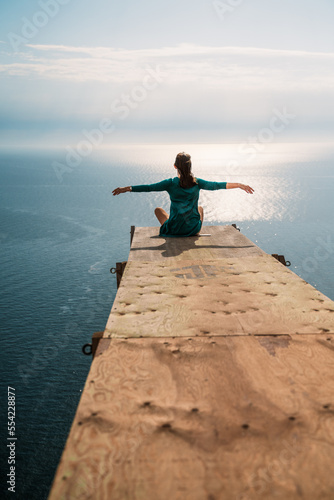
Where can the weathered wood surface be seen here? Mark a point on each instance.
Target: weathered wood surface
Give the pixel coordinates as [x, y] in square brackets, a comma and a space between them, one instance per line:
[229, 395]
[216, 418]
[225, 241]
[234, 296]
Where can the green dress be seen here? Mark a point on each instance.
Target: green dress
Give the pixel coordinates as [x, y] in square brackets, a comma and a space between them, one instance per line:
[184, 219]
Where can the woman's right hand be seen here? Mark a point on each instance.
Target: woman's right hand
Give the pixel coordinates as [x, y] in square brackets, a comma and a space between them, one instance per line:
[120, 190]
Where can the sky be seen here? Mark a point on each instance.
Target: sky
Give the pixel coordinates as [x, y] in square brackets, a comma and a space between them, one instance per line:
[165, 71]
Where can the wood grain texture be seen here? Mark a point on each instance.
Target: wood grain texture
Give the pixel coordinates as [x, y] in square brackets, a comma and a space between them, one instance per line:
[216, 418]
[229, 394]
[236, 296]
[225, 241]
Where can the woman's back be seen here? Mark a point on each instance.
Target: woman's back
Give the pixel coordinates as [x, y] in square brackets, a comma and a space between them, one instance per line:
[186, 216]
[184, 219]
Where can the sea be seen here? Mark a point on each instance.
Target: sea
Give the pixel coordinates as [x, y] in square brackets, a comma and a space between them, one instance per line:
[62, 231]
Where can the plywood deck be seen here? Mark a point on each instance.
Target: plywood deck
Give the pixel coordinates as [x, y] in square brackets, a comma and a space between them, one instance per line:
[224, 241]
[214, 381]
[235, 296]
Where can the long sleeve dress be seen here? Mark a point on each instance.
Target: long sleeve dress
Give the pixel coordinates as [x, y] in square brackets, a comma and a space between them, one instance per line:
[184, 219]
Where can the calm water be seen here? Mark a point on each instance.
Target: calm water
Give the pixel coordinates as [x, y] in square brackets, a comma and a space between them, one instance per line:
[59, 239]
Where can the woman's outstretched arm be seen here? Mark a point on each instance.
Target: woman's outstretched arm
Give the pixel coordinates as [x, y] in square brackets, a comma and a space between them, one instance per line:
[121, 190]
[212, 186]
[158, 186]
[232, 185]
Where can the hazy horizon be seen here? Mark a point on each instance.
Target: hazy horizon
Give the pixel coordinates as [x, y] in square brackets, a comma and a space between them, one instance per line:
[205, 71]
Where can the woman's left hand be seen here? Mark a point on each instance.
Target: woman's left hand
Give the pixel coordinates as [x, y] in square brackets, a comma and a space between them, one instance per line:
[246, 188]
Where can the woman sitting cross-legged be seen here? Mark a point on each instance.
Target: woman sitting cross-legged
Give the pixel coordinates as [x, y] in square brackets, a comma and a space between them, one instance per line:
[186, 217]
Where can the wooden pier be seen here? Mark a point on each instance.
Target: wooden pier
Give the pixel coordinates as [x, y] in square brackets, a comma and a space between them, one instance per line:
[213, 380]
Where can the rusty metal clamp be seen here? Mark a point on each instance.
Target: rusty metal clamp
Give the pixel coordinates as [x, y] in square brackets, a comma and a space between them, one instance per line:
[281, 259]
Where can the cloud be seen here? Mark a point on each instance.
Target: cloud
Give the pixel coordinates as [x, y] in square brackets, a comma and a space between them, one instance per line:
[212, 67]
[182, 50]
[203, 88]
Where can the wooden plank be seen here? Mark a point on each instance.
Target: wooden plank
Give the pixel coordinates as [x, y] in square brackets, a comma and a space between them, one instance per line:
[224, 241]
[204, 418]
[234, 296]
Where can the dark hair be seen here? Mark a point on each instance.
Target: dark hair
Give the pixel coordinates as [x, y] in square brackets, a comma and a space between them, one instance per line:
[183, 164]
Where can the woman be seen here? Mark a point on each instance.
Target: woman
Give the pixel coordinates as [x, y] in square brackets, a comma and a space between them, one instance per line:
[186, 217]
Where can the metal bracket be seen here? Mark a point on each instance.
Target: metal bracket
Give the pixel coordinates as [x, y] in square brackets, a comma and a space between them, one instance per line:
[118, 270]
[132, 232]
[281, 259]
[89, 349]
